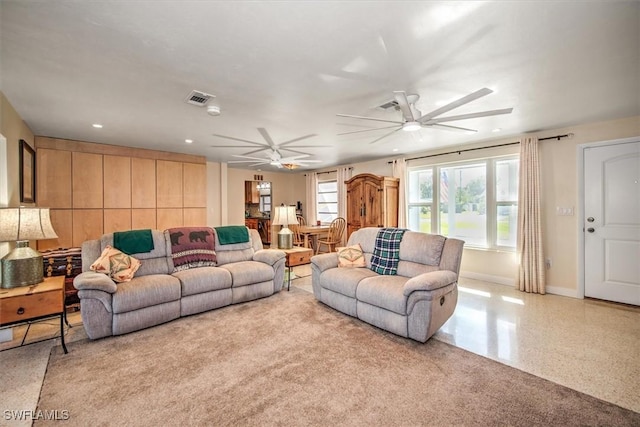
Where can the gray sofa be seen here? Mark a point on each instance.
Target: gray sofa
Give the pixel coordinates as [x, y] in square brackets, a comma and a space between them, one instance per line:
[244, 272]
[414, 303]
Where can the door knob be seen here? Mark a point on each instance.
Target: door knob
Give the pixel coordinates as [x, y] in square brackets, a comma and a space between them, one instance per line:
[591, 229]
[590, 219]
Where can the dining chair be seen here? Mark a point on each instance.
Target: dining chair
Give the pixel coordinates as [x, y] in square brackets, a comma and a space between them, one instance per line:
[298, 238]
[334, 237]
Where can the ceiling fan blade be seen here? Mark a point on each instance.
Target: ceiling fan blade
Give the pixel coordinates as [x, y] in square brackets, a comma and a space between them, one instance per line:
[469, 116]
[368, 118]
[455, 104]
[301, 156]
[455, 128]
[366, 130]
[248, 161]
[255, 151]
[262, 159]
[303, 162]
[235, 139]
[385, 135]
[291, 141]
[403, 103]
[267, 138]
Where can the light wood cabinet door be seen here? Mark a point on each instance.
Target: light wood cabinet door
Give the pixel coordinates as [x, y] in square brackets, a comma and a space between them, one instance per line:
[143, 183]
[169, 184]
[117, 220]
[117, 182]
[143, 219]
[87, 225]
[194, 185]
[87, 180]
[53, 178]
[61, 220]
[169, 218]
[195, 217]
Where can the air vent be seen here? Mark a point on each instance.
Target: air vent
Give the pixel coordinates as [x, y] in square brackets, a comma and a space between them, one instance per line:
[391, 104]
[198, 98]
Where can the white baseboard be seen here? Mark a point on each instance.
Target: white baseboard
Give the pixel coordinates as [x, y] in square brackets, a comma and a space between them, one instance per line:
[507, 281]
[563, 292]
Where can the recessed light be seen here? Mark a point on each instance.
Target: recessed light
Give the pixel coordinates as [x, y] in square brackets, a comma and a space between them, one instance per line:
[188, 141]
[97, 125]
[394, 150]
[496, 130]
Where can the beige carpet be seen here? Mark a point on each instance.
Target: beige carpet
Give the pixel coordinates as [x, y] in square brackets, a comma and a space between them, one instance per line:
[289, 360]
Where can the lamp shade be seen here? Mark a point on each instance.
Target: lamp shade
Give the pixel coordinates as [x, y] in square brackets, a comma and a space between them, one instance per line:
[17, 224]
[285, 215]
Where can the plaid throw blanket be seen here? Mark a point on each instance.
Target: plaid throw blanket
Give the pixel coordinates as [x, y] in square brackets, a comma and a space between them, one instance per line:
[386, 252]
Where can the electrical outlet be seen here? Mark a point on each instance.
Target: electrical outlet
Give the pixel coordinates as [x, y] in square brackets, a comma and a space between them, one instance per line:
[548, 263]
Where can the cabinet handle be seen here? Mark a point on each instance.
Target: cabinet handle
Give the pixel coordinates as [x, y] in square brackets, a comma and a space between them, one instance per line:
[20, 311]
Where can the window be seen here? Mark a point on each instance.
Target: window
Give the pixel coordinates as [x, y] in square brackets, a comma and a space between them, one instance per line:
[475, 201]
[327, 206]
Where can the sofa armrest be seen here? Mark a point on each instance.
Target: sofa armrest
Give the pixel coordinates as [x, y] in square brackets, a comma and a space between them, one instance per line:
[268, 256]
[429, 281]
[94, 281]
[325, 261]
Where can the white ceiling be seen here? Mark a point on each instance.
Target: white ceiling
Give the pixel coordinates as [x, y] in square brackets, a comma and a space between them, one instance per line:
[290, 66]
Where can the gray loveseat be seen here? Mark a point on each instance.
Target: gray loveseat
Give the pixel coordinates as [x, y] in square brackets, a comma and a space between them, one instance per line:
[414, 303]
[244, 272]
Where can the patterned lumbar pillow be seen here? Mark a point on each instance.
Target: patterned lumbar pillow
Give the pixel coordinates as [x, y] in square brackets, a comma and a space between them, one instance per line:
[118, 265]
[351, 256]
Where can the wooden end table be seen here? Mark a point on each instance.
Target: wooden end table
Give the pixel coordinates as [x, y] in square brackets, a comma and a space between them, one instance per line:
[26, 304]
[296, 256]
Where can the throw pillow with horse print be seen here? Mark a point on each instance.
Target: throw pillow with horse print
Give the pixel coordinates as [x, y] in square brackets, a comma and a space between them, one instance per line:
[192, 247]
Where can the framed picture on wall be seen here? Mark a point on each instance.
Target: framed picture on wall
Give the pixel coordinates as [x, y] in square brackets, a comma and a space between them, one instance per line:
[27, 173]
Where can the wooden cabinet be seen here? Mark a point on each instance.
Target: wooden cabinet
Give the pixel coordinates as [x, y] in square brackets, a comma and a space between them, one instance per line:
[372, 201]
[251, 223]
[251, 192]
[95, 188]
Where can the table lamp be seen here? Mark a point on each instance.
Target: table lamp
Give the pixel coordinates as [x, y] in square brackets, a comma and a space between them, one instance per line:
[23, 265]
[284, 216]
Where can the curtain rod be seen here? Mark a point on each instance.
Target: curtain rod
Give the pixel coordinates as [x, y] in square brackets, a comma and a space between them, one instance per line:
[557, 137]
[318, 173]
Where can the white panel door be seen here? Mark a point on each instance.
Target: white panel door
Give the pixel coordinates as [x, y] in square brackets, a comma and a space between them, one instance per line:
[612, 222]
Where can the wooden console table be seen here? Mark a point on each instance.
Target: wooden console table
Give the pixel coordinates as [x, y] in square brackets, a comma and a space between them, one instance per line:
[26, 304]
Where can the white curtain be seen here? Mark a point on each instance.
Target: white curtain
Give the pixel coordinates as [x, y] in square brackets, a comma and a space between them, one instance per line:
[311, 211]
[530, 254]
[400, 171]
[343, 175]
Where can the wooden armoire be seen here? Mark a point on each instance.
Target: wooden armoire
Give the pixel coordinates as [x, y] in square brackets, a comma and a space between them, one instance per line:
[372, 201]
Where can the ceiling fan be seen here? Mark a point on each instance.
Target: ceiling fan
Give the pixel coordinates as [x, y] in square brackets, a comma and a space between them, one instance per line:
[413, 119]
[270, 145]
[276, 159]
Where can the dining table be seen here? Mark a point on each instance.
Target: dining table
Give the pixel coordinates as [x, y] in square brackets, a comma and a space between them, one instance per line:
[312, 232]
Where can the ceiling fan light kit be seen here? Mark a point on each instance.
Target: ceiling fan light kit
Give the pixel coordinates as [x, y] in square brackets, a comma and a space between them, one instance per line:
[411, 126]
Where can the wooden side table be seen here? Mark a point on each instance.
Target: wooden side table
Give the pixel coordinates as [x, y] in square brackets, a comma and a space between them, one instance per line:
[296, 256]
[25, 304]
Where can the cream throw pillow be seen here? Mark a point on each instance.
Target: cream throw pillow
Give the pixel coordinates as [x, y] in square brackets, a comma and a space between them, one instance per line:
[117, 265]
[351, 256]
